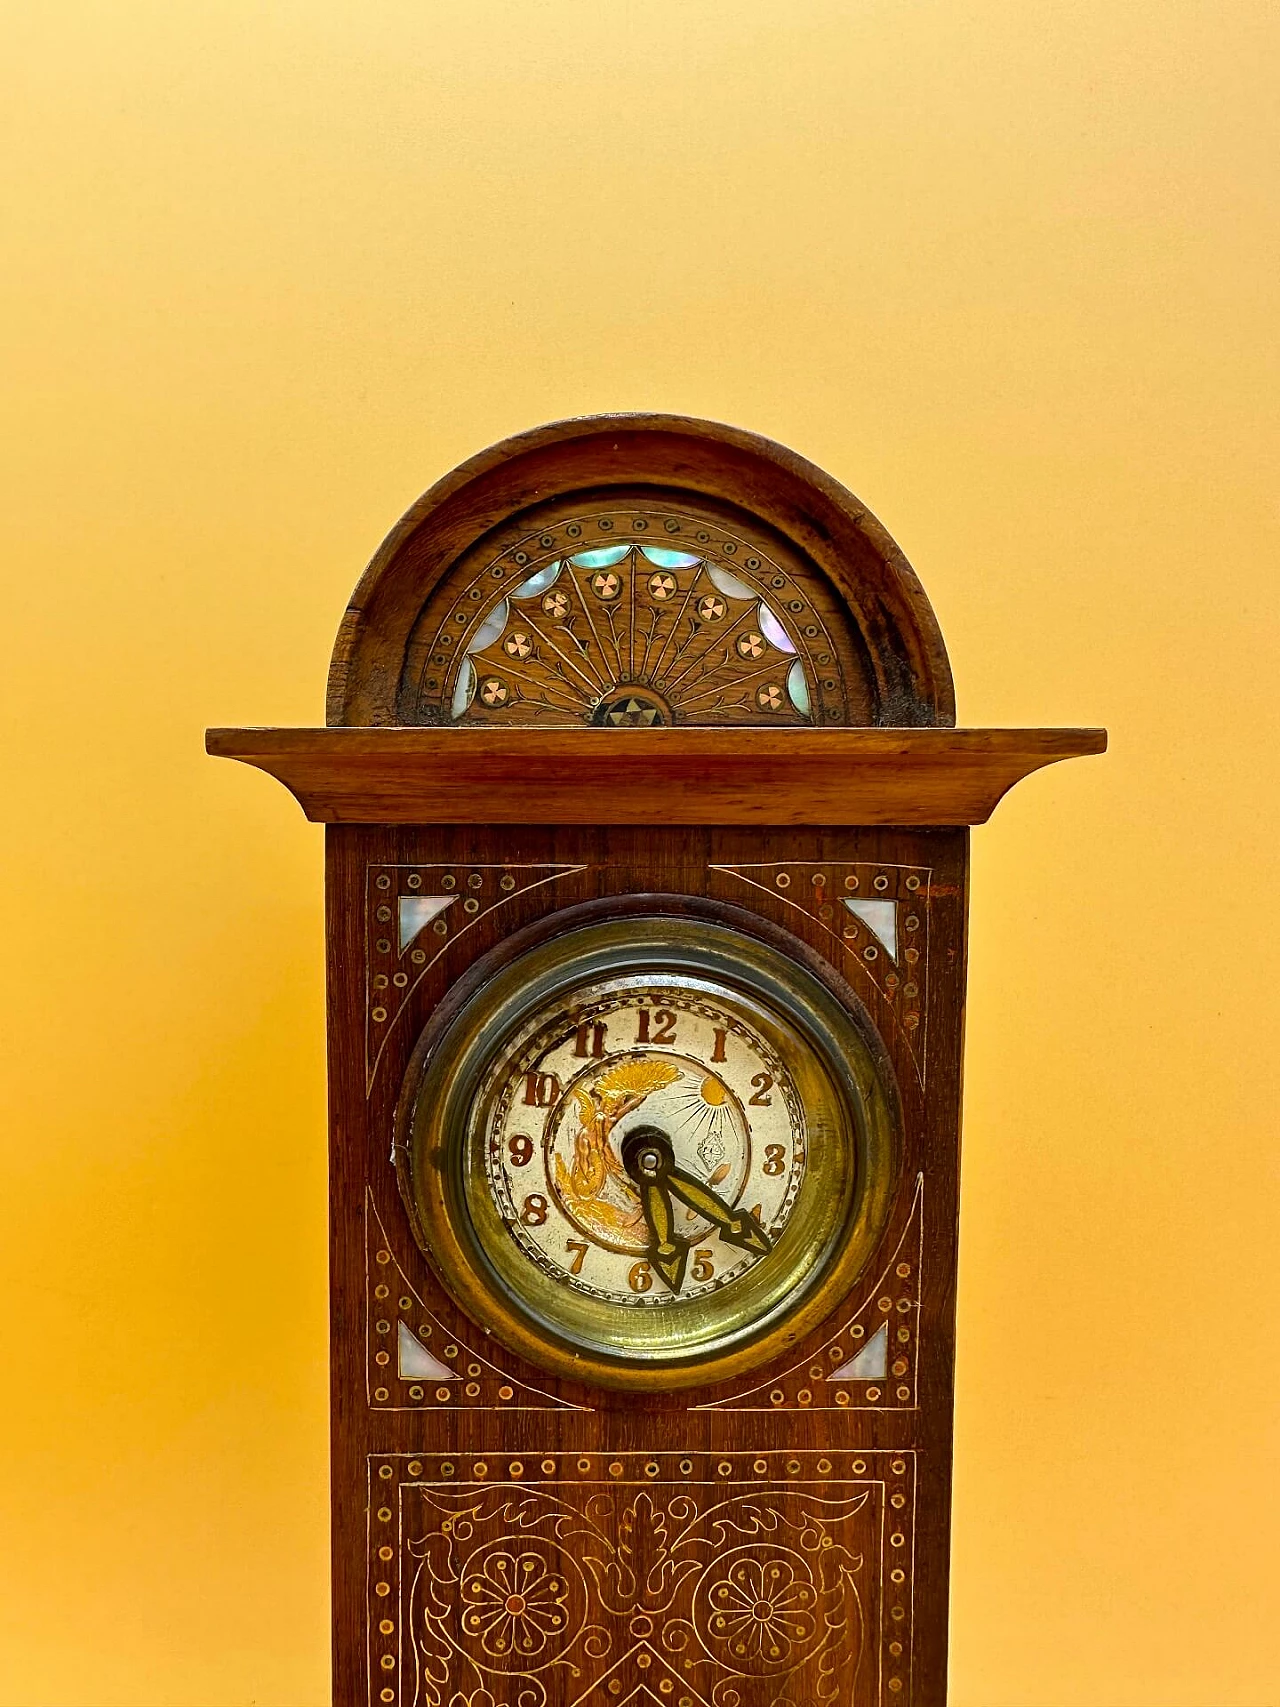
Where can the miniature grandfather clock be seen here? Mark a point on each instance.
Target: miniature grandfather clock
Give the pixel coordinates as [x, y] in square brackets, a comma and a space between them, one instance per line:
[647, 862]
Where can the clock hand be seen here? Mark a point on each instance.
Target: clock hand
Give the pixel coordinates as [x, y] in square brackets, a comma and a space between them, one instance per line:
[735, 1226]
[647, 1157]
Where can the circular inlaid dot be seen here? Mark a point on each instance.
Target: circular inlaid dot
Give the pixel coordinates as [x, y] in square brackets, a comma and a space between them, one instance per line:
[724, 1468]
[382, 1359]
[903, 1270]
[857, 1331]
[913, 954]
[386, 1472]
[913, 883]
[870, 952]
[386, 1553]
[898, 1576]
[448, 1469]
[472, 1390]
[388, 1662]
[414, 880]
[899, 1366]
[898, 1613]
[904, 1336]
[506, 1392]
[904, 1393]
[548, 1466]
[873, 1395]
[897, 1501]
[451, 1351]
[418, 956]
[899, 1466]
[480, 1470]
[615, 1469]
[815, 1370]
[387, 1627]
[382, 1327]
[615, 1686]
[584, 1464]
[384, 882]
[911, 1021]
[651, 1468]
[730, 546]
[515, 1469]
[382, 1589]
[382, 1292]
[760, 1466]
[842, 1398]
[639, 524]
[686, 1466]
[386, 1695]
[643, 1661]
[400, 980]
[424, 1330]
[783, 880]
[522, 557]
[884, 1303]
[904, 1305]
[851, 882]
[859, 1466]
[383, 945]
[378, 1015]
[824, 1466]
[793, 1466]
[912, 922]
[895, 1684]
[384, 914]
[443, 1395]
[384, 1514]
[507, 882]
[804, 1396]
[415, 1392]
[777, 1397]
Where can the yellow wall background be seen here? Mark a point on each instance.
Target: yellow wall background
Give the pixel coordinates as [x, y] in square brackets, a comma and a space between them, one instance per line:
[271, 267]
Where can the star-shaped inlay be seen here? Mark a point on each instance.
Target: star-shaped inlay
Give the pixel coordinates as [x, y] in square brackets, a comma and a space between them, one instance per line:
[630, 712]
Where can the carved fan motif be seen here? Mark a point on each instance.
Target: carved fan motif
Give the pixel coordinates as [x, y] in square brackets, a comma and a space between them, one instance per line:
[568, 628]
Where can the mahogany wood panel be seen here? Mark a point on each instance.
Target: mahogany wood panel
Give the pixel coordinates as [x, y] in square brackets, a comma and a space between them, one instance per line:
[681, 776]
[810, 1513]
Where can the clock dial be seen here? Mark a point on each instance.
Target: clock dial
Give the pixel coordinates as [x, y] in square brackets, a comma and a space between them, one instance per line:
[648, 1152]
[657, 1057]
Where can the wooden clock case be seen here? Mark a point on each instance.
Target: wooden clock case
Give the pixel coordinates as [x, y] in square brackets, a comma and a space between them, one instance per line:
[731, 703]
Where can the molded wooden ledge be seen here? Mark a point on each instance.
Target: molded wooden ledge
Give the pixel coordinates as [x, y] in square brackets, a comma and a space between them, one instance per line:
[648, 776]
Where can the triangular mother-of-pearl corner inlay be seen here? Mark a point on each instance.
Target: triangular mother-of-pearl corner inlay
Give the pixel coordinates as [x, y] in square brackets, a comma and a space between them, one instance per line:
[406, 1343]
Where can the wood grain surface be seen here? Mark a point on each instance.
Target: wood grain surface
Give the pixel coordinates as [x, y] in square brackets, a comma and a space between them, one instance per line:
[636, 776]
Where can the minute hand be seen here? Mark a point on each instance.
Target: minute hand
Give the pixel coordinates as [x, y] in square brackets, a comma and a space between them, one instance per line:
[736, 1226]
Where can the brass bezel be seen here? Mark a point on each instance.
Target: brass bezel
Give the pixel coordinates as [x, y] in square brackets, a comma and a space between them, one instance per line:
[732, 1331]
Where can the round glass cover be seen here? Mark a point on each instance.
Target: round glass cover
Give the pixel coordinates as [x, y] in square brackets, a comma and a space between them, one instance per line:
[648, 1152]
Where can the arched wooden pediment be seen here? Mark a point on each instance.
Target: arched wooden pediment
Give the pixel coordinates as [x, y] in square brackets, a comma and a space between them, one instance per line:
[639, 570]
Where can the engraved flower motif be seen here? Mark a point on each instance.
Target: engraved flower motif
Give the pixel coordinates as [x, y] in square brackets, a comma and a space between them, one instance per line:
[762, 1609]
[515, 1603]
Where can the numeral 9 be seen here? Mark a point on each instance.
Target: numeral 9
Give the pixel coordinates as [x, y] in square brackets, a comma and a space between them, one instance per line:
[520, 1147]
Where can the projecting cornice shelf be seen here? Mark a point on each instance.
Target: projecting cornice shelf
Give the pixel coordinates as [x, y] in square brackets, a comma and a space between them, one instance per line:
[639, 776]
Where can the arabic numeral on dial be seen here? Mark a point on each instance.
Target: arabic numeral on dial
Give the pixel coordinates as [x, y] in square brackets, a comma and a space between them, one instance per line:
[773, 1157]
[579, 1247]
[534, 1212]
[664, 1021]
[640, 1279]
[590, 1039]
[761, 1099]
[541, 1089]
[520, 1149]
[702, 1269]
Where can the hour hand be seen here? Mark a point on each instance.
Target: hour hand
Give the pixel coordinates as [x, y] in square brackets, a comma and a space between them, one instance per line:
[647, 1157]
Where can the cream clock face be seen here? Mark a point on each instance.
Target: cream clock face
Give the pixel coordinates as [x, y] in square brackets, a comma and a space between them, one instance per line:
[567, 1175]
[648, 1152]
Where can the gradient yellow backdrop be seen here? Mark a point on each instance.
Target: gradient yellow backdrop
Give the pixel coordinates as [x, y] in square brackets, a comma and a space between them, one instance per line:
[270, 268]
